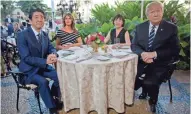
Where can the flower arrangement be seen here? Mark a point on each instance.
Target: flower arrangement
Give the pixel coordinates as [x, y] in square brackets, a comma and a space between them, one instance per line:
[95, 40]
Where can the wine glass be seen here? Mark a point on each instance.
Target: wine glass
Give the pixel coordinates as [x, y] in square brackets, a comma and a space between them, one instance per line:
[88, 44]
[117, 43]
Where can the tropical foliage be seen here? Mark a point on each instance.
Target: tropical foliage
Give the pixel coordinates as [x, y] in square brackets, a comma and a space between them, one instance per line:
[184, 37]
[7, 8]
[103, 13]
[26, 6]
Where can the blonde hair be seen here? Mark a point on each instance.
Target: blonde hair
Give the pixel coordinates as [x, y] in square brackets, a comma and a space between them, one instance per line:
[73, 23]
[154, 3]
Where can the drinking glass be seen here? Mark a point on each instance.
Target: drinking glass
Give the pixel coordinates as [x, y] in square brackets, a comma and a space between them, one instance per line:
[117, 43]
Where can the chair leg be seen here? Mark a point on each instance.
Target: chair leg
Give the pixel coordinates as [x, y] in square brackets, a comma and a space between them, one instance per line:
[169, 84]
[17, 98]
[38, 99]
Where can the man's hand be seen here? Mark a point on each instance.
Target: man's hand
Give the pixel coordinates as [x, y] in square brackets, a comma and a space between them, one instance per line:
[149, 61]
[52, 58]
[148, 55]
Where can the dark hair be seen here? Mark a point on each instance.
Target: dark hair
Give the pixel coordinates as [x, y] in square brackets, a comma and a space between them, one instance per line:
[24, 23]
[35, 10]
[119, 16]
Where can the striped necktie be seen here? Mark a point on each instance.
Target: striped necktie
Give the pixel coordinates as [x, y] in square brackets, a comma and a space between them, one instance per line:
[39, 38]
[151, 37]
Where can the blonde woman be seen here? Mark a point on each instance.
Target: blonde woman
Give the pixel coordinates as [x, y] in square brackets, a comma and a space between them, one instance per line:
[68, 36]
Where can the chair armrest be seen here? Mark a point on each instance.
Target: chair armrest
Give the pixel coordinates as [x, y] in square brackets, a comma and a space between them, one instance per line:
[174, 62]
[171, 67]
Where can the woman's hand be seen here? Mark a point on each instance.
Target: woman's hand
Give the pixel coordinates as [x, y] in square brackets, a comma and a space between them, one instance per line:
[115, 46]
[64, 46]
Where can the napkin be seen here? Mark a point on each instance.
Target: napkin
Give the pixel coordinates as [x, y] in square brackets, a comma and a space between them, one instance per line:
[71, 57]
[102, 58]
[65, 52]
[119, 54]
[84, 56]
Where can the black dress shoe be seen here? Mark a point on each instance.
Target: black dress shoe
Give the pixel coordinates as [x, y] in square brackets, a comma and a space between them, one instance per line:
[143, 96]
[59, 104]
[53, 111]
[152, 106]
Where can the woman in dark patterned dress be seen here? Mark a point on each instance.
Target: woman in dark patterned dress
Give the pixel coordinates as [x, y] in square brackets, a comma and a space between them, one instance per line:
[68, 36]
[118, 32]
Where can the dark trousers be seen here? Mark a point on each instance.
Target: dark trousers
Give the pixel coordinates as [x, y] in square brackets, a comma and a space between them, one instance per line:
[46, 94]
[154, 76]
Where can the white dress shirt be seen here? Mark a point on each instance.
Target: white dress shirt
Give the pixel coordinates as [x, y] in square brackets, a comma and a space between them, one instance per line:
[9, 20]
[150, 27]
[36, 33]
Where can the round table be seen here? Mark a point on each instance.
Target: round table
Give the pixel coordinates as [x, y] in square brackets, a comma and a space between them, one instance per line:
[97, 85]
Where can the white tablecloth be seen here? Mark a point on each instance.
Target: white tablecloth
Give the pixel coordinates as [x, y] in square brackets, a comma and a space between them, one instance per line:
[97, 85]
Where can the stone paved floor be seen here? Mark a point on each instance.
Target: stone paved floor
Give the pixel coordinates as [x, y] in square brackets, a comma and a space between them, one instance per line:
[180, 87]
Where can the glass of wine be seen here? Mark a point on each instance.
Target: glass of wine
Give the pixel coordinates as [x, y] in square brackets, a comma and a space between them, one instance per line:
[117, 43]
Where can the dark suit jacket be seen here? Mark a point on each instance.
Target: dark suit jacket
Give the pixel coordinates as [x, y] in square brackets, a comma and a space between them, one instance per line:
[166, 42]
[33, 55]
[6, 20]
[10, 29]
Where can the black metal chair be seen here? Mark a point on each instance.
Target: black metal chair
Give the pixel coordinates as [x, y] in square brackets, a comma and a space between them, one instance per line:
[171, 67]
[19, 79]
[167, 75]
[7, 50]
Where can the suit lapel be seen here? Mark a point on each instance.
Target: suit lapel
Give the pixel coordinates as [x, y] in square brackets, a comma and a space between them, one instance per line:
[158, 34]
[145, 33]
[33, 39]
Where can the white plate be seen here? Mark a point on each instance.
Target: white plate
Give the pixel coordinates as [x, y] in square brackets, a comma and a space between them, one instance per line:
[124, 47]
[125, 50]
[66, 52]
[71, 57]
[119, 54]
[103, 58]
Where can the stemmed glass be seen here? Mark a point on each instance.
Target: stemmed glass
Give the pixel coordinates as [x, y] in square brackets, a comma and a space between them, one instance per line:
[117, 43]
[88, 43]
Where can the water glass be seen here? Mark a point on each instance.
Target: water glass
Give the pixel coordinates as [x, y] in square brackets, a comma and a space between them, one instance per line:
[117, 43]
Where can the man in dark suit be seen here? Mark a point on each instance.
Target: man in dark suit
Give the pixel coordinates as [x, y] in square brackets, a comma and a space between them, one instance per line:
[10, 29]
[156, 43]
[37, 52]
[9, 19]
